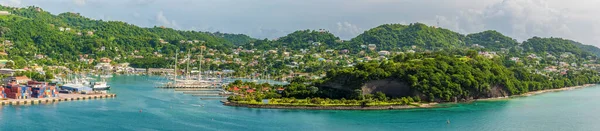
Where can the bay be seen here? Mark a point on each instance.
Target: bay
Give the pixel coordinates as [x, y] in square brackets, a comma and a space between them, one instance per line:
[140, 106]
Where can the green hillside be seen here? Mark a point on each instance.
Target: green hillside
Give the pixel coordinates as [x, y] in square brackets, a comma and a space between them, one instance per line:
[491, 40]
[392, 36]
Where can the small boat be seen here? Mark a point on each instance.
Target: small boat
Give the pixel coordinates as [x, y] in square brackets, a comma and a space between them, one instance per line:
[100, 85]
[106, 76]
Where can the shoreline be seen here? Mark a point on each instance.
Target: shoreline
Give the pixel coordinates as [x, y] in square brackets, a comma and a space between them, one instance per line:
[392, 107]
[532, 93]
[395, 107]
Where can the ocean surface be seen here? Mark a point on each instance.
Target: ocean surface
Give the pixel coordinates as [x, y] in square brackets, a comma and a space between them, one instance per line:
[140, 106]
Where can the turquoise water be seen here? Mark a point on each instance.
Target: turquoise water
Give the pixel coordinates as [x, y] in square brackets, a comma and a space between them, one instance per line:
[164, 109]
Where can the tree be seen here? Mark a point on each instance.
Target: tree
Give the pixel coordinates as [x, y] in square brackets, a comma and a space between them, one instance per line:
[380, 96]
[9, 65]
[3, 31]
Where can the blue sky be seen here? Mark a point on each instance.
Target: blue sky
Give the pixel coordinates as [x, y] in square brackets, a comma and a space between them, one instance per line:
[520, 19]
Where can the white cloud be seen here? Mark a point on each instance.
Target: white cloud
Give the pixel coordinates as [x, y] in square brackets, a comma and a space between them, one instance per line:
[346, 30]
[164, 21]
[79, 2]
[523, 19]
[13, 3]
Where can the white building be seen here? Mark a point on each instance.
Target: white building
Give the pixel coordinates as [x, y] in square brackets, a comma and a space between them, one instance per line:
[4, 13]
[384, 53]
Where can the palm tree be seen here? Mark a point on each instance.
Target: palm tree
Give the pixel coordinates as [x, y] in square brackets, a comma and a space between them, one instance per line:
[4, 30]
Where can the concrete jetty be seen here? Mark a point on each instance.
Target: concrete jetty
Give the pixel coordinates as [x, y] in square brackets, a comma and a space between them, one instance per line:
[61, 98]
[188, 87]
[194, 89]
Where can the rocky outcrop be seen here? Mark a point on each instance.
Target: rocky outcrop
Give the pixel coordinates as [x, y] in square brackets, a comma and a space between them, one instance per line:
[497, 91]
[390, 87]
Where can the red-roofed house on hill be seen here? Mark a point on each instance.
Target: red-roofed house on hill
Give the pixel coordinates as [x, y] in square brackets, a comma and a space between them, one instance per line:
[280, 90]
[250, 90]
[105, 60]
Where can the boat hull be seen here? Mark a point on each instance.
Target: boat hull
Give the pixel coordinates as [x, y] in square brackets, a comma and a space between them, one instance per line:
[102, 88]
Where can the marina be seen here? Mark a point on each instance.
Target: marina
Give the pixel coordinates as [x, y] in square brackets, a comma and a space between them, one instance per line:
[201, 87]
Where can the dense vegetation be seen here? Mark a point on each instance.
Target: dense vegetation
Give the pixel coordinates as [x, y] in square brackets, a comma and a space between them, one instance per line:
[393, 36]
[491, 40]
[64, 37]
[303, 39]
[439, 76]
[554, 46]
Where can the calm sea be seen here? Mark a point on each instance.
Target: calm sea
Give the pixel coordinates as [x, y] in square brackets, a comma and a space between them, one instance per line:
[140, 106]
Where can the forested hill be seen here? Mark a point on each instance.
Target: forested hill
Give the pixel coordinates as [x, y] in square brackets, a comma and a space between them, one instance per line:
[392, 36]
[554, 46]
[64, 37]
[589, 48]
[302, 39]
[491, 40]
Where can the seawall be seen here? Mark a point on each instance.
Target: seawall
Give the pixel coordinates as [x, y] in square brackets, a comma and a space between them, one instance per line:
[61, 98]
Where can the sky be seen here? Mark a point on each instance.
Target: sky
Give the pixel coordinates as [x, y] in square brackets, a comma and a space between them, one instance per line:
[578, 20]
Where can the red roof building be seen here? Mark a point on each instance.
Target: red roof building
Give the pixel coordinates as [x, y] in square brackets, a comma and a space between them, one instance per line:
[280, 89]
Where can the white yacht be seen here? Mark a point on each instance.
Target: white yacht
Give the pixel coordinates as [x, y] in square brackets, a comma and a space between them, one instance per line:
[100, 85]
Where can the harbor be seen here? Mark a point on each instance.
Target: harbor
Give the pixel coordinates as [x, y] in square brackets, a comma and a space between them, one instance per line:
[21, 90]
[205, 88]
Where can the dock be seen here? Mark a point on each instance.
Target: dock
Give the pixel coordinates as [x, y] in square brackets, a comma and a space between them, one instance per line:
[193, 89]
[61, 98]
[188, 87]
[201, 90]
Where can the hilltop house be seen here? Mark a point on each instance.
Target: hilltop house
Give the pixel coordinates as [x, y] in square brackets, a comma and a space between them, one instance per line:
[487, 54]
[344, 51]
[105, 60]
[372, 46]
[384, 53]
[515, 59]
[39, 56]
[4, 13]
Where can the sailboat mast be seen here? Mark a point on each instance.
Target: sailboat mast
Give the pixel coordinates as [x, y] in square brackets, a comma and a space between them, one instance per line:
[200, 65]
[175, 78]
[187, 69]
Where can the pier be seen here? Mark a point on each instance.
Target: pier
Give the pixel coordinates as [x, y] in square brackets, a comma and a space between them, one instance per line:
[202, 92]
[188, 87]
[61, 98]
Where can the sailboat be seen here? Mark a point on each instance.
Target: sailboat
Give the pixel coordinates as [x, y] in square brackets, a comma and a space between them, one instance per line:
[187, 82]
